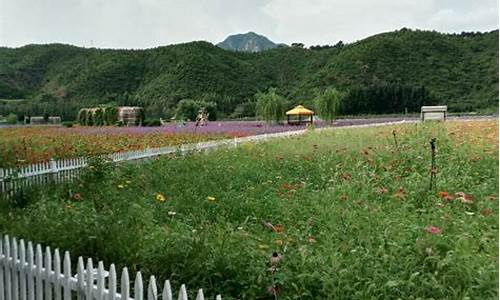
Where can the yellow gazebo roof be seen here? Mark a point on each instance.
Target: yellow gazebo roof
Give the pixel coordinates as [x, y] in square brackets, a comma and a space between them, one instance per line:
[299, 110]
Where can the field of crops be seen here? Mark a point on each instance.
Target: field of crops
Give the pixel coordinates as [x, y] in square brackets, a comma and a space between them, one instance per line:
[344, 214]
[25, 145]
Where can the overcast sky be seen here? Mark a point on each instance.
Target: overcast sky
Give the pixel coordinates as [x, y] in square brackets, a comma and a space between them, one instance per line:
[151, 23]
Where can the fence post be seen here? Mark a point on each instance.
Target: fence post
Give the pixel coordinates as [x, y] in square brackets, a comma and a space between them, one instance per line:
[53, 168]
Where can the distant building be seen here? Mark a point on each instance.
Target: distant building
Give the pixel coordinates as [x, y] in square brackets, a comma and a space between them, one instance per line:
[438, 113]
[131, 115]
[299, 115]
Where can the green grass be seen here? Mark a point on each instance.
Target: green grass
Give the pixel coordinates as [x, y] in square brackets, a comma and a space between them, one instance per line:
[353, 206]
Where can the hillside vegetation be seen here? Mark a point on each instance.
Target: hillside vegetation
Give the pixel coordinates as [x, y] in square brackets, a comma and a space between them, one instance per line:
[401, 67]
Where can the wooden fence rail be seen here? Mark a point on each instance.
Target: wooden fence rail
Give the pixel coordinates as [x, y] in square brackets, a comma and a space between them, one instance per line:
[29, 272]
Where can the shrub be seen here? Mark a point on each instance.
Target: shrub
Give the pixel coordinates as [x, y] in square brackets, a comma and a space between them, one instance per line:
[98, 116]
[89, 117]
[11, 119]
[152, 122]
[110, 115]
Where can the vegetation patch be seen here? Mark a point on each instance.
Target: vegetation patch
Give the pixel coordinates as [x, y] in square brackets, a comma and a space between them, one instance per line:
[344, 213]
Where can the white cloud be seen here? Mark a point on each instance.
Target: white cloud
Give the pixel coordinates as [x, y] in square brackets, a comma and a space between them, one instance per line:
[149, 23]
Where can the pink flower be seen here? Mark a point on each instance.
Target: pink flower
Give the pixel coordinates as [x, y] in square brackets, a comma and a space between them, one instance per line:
[433, 229]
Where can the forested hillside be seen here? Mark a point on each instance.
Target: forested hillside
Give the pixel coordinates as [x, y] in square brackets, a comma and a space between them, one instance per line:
[381, 74]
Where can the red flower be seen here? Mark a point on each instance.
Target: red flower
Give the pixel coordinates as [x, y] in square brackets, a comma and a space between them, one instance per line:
[433, 229]
[442, 194]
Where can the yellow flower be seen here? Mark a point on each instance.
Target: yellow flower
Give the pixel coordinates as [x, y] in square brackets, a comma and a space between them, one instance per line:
[120, 186]
[160, 197]
[278, 242]
[211, 199]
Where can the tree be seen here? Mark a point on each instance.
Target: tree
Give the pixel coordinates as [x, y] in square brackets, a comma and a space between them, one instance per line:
[188, 109]
[327, 104]
[270, 106]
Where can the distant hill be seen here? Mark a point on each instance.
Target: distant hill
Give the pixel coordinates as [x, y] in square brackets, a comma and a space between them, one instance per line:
[380, 74]
[247, 42]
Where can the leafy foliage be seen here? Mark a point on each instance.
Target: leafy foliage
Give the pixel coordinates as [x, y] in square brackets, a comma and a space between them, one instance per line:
[459, 70]
[327, 104]
[270, 106]
[351, 215]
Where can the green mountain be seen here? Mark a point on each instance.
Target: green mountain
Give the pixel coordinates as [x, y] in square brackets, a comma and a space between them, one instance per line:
[247, 42]
[384, 73]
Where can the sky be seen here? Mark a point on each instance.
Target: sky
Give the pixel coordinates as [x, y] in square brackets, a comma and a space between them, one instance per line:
[152, 23]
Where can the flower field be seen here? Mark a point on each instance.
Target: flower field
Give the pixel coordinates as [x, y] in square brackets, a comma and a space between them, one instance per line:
[340, 214]
[25, 145]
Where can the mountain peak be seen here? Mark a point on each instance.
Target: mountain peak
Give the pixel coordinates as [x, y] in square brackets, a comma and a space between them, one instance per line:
[247, 42]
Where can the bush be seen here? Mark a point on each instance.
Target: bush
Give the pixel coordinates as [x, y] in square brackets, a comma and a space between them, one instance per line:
[11, 119]
[98, 117]
[187, 109]
[67, 124]
[110, 115]
[89, 118]
[152, 122]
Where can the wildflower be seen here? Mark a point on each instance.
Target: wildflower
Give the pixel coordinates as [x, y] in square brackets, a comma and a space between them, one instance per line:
[311, 239]
[469, 213]
[466, 199]
[211, 199]
[275, 259]
[278, 242]
[128, 181]
[160, 197]
[433, 229]
[400, 193]
[77, 196]
[121, 186]
[172, 213]
[486, 212]
[278, 228]
[240, 228]
[429, 251]
[447, 198]
[442, 194]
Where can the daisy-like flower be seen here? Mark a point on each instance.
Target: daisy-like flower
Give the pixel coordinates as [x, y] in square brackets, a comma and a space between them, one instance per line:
[160, 198]
[433, 229]
[211, 199]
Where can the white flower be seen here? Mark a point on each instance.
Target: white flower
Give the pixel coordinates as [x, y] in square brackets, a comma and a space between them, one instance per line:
[172, 213]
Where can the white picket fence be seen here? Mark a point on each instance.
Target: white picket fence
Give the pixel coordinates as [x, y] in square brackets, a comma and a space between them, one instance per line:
[18, 179]
[29, 273]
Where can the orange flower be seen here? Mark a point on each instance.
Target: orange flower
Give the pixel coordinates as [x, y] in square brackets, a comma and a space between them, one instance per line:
[442, 194]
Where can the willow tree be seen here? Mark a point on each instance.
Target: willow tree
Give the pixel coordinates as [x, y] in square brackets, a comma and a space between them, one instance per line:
[270, 106]
[327, 104]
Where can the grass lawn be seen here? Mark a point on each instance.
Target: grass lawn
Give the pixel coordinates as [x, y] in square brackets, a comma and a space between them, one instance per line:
[348, 211]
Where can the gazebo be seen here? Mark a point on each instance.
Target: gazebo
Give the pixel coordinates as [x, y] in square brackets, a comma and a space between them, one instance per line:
[299, 115]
